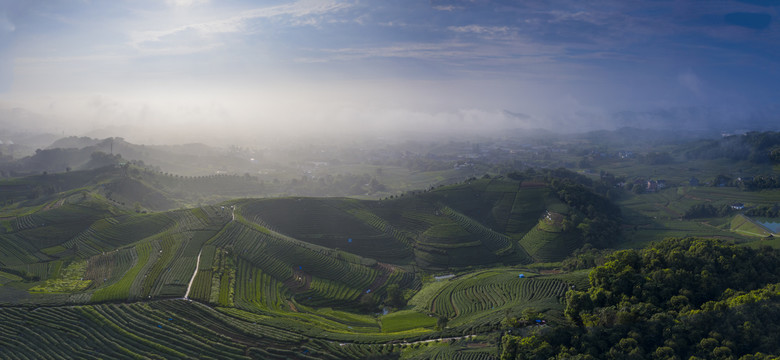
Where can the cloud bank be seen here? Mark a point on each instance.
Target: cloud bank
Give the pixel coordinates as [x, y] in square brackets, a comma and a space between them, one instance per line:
[341, 66]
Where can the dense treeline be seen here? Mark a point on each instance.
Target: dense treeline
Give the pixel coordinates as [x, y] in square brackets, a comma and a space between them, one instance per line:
[756, 147]
[600, 225]
[586, 257]
[761, 182]
[698, 211]
[679, 299]
[764, 211]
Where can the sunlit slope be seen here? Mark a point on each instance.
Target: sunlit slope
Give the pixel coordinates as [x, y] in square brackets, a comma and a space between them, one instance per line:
[308, 274]
[78, 253]
[164, 262]
[485, 297]
[252, 258]
[548, 240]
[178, 329]
[292, 251]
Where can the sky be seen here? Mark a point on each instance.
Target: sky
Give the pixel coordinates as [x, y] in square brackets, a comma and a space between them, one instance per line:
[206, 67]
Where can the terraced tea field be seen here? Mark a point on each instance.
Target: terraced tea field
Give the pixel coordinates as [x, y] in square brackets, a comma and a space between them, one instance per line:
[276, 278]
[485, 296]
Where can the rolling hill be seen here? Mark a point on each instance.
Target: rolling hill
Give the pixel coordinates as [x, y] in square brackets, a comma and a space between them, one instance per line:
[266, 278]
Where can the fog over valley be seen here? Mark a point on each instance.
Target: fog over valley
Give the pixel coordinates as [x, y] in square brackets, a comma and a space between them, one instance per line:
[146, 70]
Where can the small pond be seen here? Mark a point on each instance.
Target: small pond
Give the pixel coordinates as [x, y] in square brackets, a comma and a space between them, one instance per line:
[773, 224]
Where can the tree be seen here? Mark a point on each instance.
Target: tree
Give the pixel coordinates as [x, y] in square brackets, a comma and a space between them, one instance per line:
[368, 302]
[679, 299]
[441, 322]
[395, 296]
[530, 314]
[774, 155]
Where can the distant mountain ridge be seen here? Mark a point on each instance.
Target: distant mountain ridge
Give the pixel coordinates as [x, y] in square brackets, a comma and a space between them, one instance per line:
[77, 153]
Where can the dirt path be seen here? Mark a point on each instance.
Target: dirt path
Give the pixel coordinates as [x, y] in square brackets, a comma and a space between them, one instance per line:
[425, 341]
[53, 205]
[299, 282]
[439, 339]
[189, 286]
[197, 263]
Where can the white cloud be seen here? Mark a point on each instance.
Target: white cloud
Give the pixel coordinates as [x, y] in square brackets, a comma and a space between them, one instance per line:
[477, 29]
[406, 50]
[464, 57]
[496, 33]
[299, 13]
[185, 3]
[447, 8]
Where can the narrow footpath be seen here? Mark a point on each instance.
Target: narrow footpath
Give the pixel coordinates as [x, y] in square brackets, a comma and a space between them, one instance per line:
[189, 286]
[197, 263]
[233, 218]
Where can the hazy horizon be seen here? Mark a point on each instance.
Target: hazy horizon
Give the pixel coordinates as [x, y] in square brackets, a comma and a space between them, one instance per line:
[194, 70]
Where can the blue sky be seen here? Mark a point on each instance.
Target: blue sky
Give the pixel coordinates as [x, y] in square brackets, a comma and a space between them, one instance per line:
[378, 65]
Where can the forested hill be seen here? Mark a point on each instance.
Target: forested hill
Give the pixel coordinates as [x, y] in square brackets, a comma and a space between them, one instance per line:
[756, 147]
[679, 299]
[83, 153]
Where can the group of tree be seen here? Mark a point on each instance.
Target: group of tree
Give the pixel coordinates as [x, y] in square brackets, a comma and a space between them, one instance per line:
[329, 185]
[761, 182]
[756, 147]
[586, 257]
[772, 211]
[595, 217]
[678, 299]
[697, 211]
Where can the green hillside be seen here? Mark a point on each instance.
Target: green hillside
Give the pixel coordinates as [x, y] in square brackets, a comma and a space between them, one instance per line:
[272, 278]
[451, 226]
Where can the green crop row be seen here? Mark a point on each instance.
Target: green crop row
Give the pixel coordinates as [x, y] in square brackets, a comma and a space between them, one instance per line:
[109, 331]
[260, 248]
[121, 289]
[257, 290]
[486, 291]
